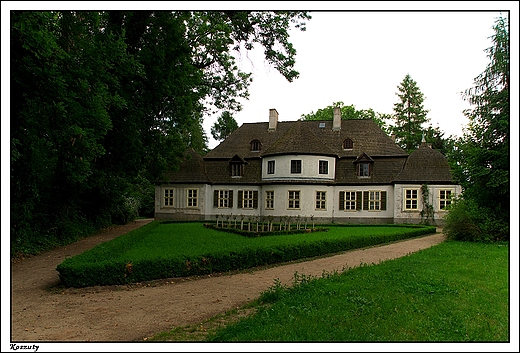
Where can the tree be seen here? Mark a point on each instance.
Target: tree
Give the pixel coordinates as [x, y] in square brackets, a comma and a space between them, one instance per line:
[104, 102]
[224, 126]
[481, 156]
[409, 115]
[348, 112]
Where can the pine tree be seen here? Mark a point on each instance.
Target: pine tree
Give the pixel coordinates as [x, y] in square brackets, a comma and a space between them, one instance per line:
[409, 115]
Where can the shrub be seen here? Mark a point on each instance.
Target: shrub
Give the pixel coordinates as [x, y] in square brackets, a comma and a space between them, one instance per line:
[467, 221]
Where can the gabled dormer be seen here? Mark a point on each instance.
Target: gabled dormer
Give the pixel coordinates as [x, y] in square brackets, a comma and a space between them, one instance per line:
[364, 165]
[236, 166]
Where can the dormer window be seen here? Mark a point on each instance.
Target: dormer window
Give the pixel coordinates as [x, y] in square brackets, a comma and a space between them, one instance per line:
[364, 166]
[255, 145]
[348, 144]
[236, 166]
[363, 170]
[237, 169]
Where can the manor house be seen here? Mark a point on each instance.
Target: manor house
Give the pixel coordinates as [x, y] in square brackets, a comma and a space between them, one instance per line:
[342, 171]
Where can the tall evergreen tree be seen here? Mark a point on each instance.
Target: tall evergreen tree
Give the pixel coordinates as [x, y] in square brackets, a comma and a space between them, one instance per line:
[409, 115]
[481, 156]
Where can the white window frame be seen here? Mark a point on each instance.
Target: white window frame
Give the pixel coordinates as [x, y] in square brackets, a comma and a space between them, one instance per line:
[326, 167]
[192, 201]
[269, 200]
[271, 167]
[294, 198]
[364, 170]
[409, 198]
[350, 202]
[223, 198]
[374, 203]
[447, 199]
[168, 195]
[237, 170]
[297, 163]
[321, 200]
[247, 199]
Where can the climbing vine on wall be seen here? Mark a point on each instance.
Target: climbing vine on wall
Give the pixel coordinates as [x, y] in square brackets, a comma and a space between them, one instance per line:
[427, 215]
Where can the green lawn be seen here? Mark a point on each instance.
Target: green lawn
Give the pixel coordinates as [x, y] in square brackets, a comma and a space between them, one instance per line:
[163, 250]
[452, 292]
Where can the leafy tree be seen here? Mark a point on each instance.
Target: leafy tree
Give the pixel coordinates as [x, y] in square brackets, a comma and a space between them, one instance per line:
[435, 136]
[348, 112]
[103, 102]
[409, 115]
[481, 157]
[224, 126]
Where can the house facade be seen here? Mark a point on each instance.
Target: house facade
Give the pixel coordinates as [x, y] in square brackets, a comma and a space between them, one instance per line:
[342, 171]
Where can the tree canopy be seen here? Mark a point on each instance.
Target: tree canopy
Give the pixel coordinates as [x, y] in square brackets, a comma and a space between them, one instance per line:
[347, 112]
[224, 126]
[103, 102]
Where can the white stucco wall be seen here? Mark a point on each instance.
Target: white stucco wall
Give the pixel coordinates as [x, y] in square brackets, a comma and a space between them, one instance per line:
[401, 215]
[310, 167]
[180, 206]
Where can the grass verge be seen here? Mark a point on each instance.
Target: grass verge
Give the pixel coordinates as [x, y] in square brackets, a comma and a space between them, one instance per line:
[452, 292]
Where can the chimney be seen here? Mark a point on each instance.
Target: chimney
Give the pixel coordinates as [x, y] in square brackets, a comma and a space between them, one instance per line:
[273, 119]
[336, 124]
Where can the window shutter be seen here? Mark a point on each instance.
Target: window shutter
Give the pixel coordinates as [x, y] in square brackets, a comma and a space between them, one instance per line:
[215, 198]
[255, 199]
[230, 198]
[383, 200]
[341, 200]
[240, 198]
[365, 200]
[359, 198]
[370, 168]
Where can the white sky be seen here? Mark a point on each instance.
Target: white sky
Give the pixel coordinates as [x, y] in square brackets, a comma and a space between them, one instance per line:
[360, 58]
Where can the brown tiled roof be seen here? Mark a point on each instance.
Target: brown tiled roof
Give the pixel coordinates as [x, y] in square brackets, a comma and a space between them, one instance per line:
[307, 137]
[425, 165]
[391, 164]
[191, 170]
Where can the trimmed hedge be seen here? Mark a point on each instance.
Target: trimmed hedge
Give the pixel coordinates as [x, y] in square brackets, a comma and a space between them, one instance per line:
[106, 264]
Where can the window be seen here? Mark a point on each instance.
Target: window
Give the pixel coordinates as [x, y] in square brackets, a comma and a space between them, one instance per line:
[348, 144]
[324, 167]
[247, 199]
[363, 170]
[444, 199]
[192, 198]
[223, 198]
[255, 145]
[294, 200]
[270, 167]
[296, 166]
[411, 200]
[349, 201]
[374, 201]
[269, 200]
[237, 169]
[320, 200]
[168, 197]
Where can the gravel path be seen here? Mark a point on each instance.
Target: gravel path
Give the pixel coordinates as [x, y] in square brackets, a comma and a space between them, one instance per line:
[41, 310]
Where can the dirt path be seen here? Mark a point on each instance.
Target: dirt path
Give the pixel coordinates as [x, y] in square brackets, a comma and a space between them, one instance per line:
[42, 311]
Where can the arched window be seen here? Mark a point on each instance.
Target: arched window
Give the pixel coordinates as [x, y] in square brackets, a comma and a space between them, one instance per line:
[255, 145]
[347, 144]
